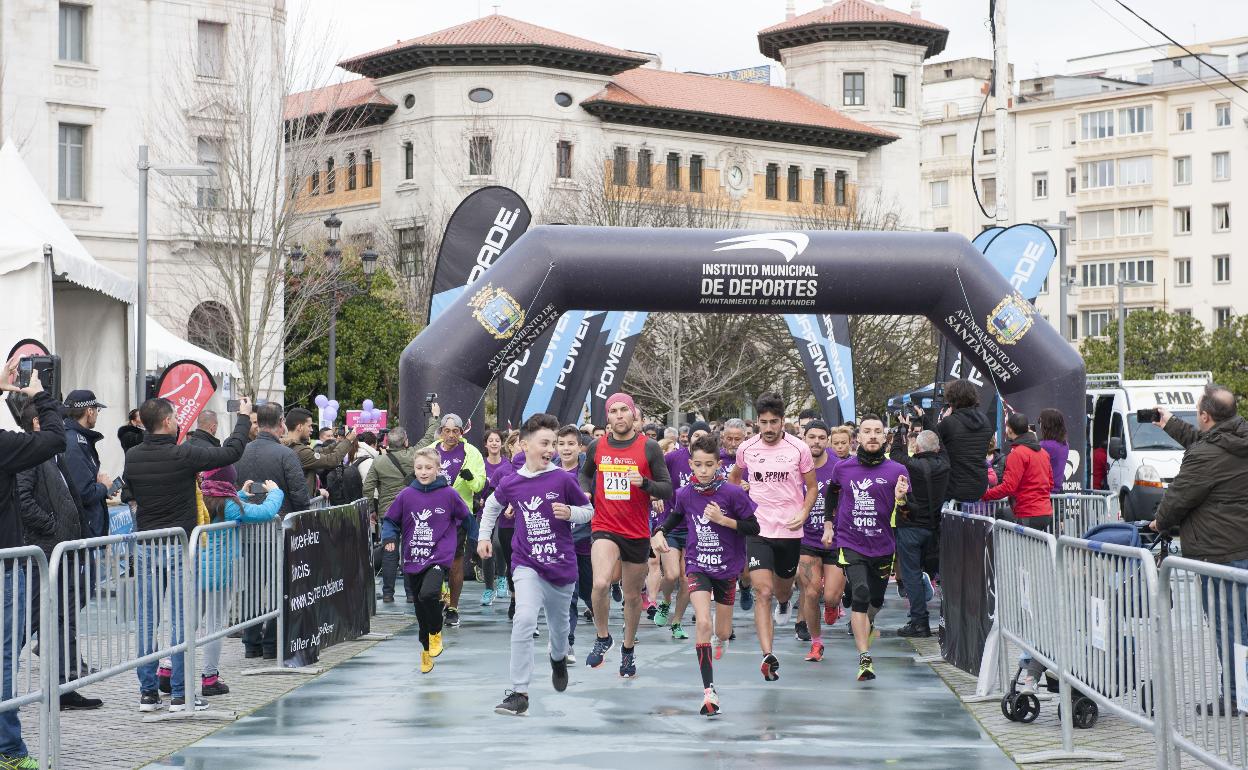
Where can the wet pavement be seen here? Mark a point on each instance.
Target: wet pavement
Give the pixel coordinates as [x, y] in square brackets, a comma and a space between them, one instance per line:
[378, 711]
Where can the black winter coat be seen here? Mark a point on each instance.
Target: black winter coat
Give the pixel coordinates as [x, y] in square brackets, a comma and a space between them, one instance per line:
[50, 510]
[128, 436]
[23, 451]
[161, 476]
[83, 463]
[929, 478]
[964, 437]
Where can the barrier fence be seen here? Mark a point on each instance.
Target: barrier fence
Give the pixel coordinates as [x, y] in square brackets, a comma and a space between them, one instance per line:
[26, 612]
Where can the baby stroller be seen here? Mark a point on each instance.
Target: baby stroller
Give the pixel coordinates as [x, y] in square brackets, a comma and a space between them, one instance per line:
[1024, 707]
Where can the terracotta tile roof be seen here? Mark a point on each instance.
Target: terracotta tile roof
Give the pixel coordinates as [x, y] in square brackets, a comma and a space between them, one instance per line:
[353, 93]
[847, 15]
[646, 87]
[495, 31]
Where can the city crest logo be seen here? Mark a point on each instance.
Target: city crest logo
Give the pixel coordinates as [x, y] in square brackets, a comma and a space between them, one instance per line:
[497, 311]
[1011, 319]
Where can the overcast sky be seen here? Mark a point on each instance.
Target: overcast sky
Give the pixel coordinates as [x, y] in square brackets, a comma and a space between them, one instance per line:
[715, 35]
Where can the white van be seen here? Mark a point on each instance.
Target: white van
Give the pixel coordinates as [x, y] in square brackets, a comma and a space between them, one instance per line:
[1137, 459]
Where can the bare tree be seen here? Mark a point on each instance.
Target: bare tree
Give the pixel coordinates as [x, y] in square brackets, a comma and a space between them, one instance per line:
[242, 223]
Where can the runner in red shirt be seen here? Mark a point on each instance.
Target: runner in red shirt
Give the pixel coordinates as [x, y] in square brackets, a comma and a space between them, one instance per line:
[623, 470]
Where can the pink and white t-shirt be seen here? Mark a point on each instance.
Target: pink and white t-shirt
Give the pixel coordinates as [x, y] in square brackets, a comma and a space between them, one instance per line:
[775, 478]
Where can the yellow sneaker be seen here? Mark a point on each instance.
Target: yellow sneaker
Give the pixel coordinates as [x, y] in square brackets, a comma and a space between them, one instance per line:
[435, 644]
[426, 662]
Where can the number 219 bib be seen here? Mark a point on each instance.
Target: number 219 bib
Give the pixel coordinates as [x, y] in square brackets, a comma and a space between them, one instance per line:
[615, 481]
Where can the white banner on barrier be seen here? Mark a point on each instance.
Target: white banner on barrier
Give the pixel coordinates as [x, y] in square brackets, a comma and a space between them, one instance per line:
[1098, 622]
[1241, 677]
[1024, 580]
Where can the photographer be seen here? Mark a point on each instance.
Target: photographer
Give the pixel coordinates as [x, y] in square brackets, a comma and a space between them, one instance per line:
[19, 452]
[1208, 502]
[919, 524]
[964, 434]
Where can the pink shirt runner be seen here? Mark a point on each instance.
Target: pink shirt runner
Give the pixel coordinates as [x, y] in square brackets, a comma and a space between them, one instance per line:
[775, 479]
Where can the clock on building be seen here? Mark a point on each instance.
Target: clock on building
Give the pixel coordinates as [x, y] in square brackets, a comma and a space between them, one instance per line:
[736, 176]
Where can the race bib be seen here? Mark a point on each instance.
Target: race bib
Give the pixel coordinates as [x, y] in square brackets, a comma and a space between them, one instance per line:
[615, 482]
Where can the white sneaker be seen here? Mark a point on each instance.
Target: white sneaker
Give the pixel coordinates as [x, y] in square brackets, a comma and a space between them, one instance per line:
[571, 657]
[783, 613]
[719, 647]
[1027, 684]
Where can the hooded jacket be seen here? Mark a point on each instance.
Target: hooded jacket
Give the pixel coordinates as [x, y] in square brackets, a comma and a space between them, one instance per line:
[83, 463]
[1208, 499]
[1028, 479]
[128, 435]
[23, 451]
[964, 437]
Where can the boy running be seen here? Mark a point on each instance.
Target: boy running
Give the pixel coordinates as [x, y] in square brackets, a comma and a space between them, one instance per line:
[817, 570]
[718, 517]
[679, 467]
[867, 490]
[428, 514]
[548, 501]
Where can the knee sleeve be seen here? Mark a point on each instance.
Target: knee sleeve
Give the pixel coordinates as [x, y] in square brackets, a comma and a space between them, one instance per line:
[861, 598]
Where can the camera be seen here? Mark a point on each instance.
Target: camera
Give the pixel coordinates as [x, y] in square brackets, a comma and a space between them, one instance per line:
[231, 406]
[431, 397]
[49, 368]
[1147, 416]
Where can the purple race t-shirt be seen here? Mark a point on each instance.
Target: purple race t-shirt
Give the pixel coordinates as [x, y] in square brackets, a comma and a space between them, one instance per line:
[543, 542]
[428, 521]
[452, 461]
[713, 549]
[727, 461]
[681, 471]
[494, 475]
[864, 513]
[812, 533]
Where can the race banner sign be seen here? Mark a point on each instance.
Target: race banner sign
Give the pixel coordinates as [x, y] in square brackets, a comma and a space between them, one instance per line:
[189, 386]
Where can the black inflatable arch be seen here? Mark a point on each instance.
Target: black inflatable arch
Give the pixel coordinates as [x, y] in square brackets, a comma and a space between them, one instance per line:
[553, 269]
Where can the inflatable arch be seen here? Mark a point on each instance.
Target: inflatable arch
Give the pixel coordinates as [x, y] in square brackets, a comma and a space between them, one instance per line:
[552, 269]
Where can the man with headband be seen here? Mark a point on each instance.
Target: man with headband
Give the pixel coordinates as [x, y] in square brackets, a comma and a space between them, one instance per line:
[623, 470]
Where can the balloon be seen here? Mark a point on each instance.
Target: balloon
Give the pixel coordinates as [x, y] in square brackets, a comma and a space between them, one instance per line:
[321, 401]
[370, 416]
[330, 415]
[334, 404]
[368, 405]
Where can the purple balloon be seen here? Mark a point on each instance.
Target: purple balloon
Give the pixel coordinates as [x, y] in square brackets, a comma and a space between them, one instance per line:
[330, 414]
[368, 405]
[371, 415]
[321, 401]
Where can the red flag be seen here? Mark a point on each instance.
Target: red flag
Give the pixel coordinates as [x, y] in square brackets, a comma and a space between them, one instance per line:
[189, 386]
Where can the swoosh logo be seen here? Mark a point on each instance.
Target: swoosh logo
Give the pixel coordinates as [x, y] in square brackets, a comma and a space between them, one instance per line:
[788, 245]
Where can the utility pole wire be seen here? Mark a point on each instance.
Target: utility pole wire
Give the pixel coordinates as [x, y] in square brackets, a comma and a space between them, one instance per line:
[1180, 45]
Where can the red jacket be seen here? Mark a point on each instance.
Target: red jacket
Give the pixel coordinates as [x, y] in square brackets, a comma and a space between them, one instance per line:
[1028, 479]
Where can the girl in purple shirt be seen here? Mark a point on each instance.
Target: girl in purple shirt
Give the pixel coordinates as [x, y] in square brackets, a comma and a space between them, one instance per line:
[426, 515]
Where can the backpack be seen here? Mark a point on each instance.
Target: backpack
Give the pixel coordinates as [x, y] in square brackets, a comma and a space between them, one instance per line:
[345, 484]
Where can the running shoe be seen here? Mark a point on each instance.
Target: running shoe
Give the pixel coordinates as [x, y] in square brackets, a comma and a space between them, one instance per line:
[710, 702]
[801, 631]
[178, 704]
[1027, 684]
[662, 613]
[831, 614]
[747, 598]
[628, 664]
[866, 671]
[570, 657]
[150, 701]
[435, 644]
[477, 574]
[10, 762]
[487, 597]
[446, 593]
[651, 609]
[559, 674]
[426, 662]
[212, 685]
[678, 632]
[500, 587]
[616, 594]
[602, 646]
[719, 646]
[770, 667]
[782, 613]
[452, 617]
[928, 593]
[514, 704]
[816, 652]
[588, 614]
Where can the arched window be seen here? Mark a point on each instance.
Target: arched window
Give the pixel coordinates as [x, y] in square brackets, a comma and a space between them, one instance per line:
[211, 328]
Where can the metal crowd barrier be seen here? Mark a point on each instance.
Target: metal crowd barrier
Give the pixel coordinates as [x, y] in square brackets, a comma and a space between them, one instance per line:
[1075, 514]
[991, 509]
[1030, 614]
[1204, 630]
[1110, 592]
[24, 577]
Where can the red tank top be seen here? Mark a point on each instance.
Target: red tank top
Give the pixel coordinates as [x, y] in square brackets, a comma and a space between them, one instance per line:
[620, 507]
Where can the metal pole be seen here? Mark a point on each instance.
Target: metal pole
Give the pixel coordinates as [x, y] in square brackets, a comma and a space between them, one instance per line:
[140, 364]
[1063, 239]
[1122, 349]
[1001, 87]
[333, 347]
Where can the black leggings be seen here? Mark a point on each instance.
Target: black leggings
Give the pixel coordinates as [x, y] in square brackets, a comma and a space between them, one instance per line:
[585, 580]
[427, 588]
[504, 551]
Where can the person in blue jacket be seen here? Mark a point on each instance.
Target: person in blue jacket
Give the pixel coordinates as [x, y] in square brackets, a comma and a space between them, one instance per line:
[218, 580]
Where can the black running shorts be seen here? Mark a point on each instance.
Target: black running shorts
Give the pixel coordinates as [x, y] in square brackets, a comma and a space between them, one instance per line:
[776, 554]
[723, 590]
[632, 550]
[866, 578]
[825, 555]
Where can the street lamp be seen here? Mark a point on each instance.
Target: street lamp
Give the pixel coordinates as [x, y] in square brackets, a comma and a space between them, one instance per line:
[1123, 283]
[144, 167]
[342, 291]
